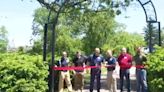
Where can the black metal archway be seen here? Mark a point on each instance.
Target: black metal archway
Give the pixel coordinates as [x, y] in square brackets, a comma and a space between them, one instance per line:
[151, 18]
[150, 14]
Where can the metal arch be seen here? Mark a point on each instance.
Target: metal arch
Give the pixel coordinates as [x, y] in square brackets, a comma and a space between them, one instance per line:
[146, 12]
[150, 20]
[154, 10]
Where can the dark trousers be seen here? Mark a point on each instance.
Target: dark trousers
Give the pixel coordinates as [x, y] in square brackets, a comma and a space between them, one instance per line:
[126, 73]
[95, 74]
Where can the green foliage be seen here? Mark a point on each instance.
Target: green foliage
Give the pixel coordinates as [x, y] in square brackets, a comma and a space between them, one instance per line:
[124, 39]
[97, 29]
[3, 39]
[86, 5]
[162, 36]
[155, 70]
[85, 25]
[37, 48]
[78, 21]
[151, 32]
[87, 31]
[22, 73]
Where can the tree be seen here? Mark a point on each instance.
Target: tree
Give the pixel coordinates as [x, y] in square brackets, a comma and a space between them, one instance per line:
[3, 39]
[85, 5]
[151, 35]
[65, 38]
[73, 11]
[162, 36]
[97, 29]
[124, 39]
[85, 32]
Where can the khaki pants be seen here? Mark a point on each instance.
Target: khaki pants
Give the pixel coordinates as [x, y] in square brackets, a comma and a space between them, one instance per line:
[65, 76]
[79, 81]
[111, 82]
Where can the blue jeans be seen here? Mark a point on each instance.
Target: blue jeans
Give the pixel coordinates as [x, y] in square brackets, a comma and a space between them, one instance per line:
[97, 74]
[141, 80]
[126, 73]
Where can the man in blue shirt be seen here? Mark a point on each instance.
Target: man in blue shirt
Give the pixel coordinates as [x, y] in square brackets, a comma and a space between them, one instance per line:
[95, 60]
[64, 74]
[111, 64]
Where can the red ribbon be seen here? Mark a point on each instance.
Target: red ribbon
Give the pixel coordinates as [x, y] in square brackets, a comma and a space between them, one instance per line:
[89, 67]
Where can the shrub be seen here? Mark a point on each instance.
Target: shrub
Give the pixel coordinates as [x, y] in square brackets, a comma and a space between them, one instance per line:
[22, 73]
[156, 70]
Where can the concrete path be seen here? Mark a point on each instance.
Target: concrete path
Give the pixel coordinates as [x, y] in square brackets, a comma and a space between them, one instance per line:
[105, 89]
[104, 86]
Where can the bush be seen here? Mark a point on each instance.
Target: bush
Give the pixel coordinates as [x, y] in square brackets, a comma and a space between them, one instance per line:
[156, 70]
[22, 73]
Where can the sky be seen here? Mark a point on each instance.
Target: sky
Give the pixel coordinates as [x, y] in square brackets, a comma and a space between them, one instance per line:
[136, 20]
[17, 17]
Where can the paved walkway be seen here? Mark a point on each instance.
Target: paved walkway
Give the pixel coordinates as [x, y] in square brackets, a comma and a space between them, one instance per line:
[105, 89]
[104, 86]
